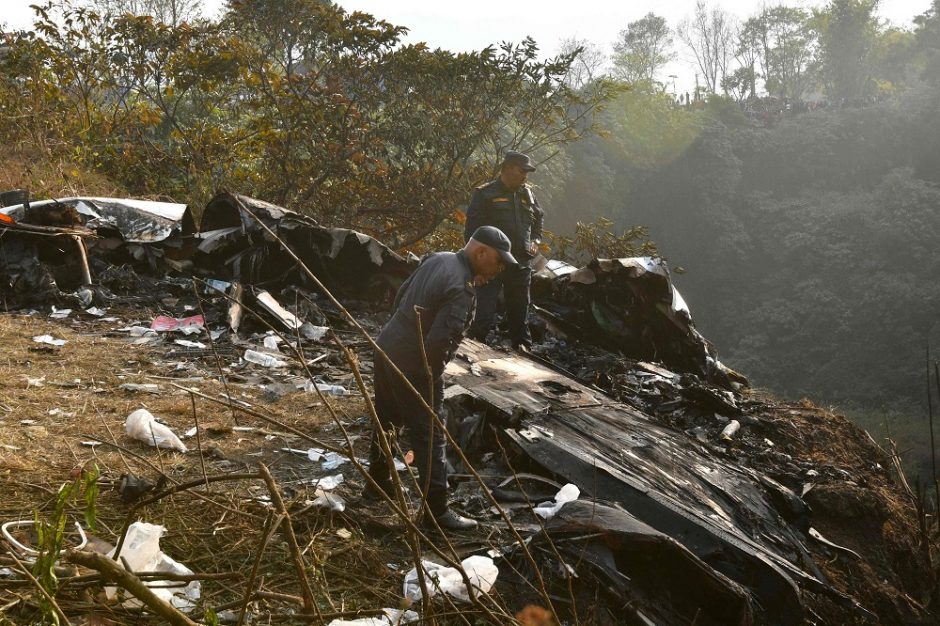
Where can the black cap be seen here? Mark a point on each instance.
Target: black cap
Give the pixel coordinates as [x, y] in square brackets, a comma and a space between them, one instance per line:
[517, 158]
[496, 239]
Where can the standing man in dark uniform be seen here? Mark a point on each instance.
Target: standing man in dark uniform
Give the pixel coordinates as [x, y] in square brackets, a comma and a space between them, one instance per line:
[508, 204]
[443, 290]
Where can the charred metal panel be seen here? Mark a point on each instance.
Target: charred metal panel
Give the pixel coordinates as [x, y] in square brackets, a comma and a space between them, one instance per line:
[233, 240]
[651, 573]
[40, 259]
[628, 305]
[721, 512]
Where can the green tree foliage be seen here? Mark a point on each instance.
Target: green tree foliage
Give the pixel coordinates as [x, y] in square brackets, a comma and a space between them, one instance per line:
[642, 49]
[300, 103]
[785, 46]
[847, 33]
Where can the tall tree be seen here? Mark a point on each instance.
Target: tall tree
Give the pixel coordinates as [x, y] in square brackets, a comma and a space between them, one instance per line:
[169, 12]
[787, 49]
[847, 31]
[588, 63]
[642, 49]
[709, 35]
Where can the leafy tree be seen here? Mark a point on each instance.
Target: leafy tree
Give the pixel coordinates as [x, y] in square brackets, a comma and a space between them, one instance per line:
[709, 35]
[642, 49]
[299, 103]
[170, 12]
[928, 42]
[787, 49]
[742, 83]
[847, 32]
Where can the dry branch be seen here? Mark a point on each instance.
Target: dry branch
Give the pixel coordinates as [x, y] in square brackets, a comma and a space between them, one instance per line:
[113, 572]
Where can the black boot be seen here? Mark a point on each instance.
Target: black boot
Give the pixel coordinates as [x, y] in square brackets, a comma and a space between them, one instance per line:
[452, 520]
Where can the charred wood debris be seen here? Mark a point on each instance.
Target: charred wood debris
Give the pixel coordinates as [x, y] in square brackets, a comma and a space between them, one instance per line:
[691, 509]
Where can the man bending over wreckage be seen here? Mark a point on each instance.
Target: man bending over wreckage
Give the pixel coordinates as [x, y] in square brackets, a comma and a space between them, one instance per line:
[443, 289]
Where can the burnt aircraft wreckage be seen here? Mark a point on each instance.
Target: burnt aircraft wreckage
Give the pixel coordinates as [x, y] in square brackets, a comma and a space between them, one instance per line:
[622, 397]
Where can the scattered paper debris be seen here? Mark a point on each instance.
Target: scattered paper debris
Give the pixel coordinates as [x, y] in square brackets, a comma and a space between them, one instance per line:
[141, 387]
[49, 339]
[190, 344]
[186, 325]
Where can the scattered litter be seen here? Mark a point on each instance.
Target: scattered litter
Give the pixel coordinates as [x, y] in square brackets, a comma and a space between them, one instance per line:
[327, 483]
[27, 422]
[141, 387]
[24, 549]
[141, 552]
[568, 493]
[57, 412]
[96, 311]
[217, 285]
[35, 382]
[190, 344]
[138, 331]
[143, 426]
[49, 339]
[314, 333]
[60, 314]
[326, 388]
[266, 360]
[267, 302]
[392, 617]
[480, 570]
[271, 341]
[328, 501]
[131, 487]
[91, 444]
[186, 325]
[229, 616]
[332, 460]
[730, 430]
[314, 454]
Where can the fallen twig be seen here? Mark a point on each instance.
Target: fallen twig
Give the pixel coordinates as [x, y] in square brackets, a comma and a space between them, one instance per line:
[113, 572]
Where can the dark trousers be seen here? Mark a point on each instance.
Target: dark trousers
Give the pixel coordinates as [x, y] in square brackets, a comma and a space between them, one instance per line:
[398, 409]
[514, 282]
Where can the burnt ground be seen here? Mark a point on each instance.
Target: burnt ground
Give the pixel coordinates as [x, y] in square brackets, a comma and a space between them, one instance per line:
[56, 401]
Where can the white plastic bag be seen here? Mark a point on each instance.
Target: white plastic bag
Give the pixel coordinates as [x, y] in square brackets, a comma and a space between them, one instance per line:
[141, 551]
[481, 571]
[392, 617]
[568, 493]
[143, 426]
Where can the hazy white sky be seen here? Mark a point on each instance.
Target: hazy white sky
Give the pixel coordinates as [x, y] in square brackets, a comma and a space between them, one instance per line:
[472, 25]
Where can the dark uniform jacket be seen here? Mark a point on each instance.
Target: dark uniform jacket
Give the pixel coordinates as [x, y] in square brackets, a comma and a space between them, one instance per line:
[442, 286]
[517, 214]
